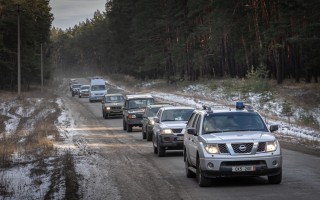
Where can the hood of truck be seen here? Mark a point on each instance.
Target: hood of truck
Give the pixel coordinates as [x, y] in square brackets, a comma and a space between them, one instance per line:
[249, 136]
[173, 124]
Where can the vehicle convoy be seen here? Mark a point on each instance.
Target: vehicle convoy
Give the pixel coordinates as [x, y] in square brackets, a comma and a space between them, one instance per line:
[231, 142]
[84, 91]
[75, 89]
[97, 90]
[148, 120]
[167, 130]
[71, 82]
[133, 110]
[112, 105]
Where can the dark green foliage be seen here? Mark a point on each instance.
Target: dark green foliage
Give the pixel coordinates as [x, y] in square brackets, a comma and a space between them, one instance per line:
[198, 39]
[35, 22]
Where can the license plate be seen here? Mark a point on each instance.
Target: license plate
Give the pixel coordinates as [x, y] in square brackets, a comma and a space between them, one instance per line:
[180, 138]
[243, 168]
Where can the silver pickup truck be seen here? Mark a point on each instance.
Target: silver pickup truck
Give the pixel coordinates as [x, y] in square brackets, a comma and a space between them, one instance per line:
[230, 142]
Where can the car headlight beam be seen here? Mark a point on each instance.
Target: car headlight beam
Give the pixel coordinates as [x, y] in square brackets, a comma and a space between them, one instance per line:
[166, 131]
[271, 146]
[212, 148]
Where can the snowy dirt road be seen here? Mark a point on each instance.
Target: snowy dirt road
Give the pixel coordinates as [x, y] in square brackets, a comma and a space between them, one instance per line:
[114, 164]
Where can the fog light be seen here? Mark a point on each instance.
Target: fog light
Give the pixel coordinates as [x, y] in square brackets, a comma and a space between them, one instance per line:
[275, 163]
[210, 165]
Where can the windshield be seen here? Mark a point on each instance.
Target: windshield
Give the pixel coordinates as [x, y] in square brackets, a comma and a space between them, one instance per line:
[76, 86]
[139, 103]
[176, 115]
[98, 87]
[153, 111]
[228, 122]
[84, 87]
[114, 99]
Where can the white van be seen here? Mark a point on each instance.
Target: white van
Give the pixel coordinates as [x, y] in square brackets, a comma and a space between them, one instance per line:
[97, 90]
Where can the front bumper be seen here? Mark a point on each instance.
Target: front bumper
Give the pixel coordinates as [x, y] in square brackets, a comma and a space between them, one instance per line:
[84, 94]
[96, 98]
[173, 142]
[113, 112]
[135, 122]
[262, 166]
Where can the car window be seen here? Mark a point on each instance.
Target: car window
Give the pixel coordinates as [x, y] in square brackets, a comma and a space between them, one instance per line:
[191, 120]
[114, 99]
[176, 115]
[139, 103]
[159, 113]
[197, 123]
[76, 86]
[98, 87]
[196, 118]
[84, 87]
[227, 122]
[153, 111]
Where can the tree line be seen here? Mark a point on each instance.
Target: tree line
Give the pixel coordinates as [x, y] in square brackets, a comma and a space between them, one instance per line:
[196, 39]
[35, 29]
[172, 39]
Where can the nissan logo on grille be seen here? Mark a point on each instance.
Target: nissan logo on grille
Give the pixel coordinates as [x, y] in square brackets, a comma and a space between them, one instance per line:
[242, 147]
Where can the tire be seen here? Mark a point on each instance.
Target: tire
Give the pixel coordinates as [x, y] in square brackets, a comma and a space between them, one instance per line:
[202, 181]
[129, 128]
[105, 115]
[275, 179]
[144, 135]
[161, 150]
[189, 173]
[149, 136]
[124, 125]
[155, 149]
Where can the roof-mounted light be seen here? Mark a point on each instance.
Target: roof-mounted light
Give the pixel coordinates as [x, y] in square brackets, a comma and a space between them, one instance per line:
[239, 105]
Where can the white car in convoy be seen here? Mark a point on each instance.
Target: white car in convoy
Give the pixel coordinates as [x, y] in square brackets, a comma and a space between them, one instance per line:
[230, 143]
[97, 89]
[167, 130]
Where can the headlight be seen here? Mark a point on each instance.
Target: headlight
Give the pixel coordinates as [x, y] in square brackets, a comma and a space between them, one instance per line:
[166, 131]
[132, 116]
[212, 148]
[271, 146]
[151, 122]
[107, 108]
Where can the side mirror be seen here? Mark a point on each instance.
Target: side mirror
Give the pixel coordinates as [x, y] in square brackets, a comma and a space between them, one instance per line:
[156, 119]
[274, 128]
[192, 131]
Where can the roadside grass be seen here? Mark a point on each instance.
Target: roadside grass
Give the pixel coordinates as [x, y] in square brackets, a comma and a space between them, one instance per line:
[33, 144]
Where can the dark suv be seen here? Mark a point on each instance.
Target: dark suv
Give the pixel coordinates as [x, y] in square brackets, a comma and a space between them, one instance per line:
[133, 109]
[148, 119]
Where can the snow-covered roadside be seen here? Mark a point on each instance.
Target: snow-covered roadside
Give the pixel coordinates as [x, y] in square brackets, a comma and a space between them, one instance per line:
[27, 175]
[198, 95]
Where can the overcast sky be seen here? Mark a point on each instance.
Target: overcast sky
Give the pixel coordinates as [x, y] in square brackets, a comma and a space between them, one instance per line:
[68, 13]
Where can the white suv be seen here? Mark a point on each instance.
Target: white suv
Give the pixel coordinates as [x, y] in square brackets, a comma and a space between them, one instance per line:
[231, 142]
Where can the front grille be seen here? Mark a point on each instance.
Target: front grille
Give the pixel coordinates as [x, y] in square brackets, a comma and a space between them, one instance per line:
[242, 147]
[116, 108]
[223, 148]
[261, 147]
[176, 130]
